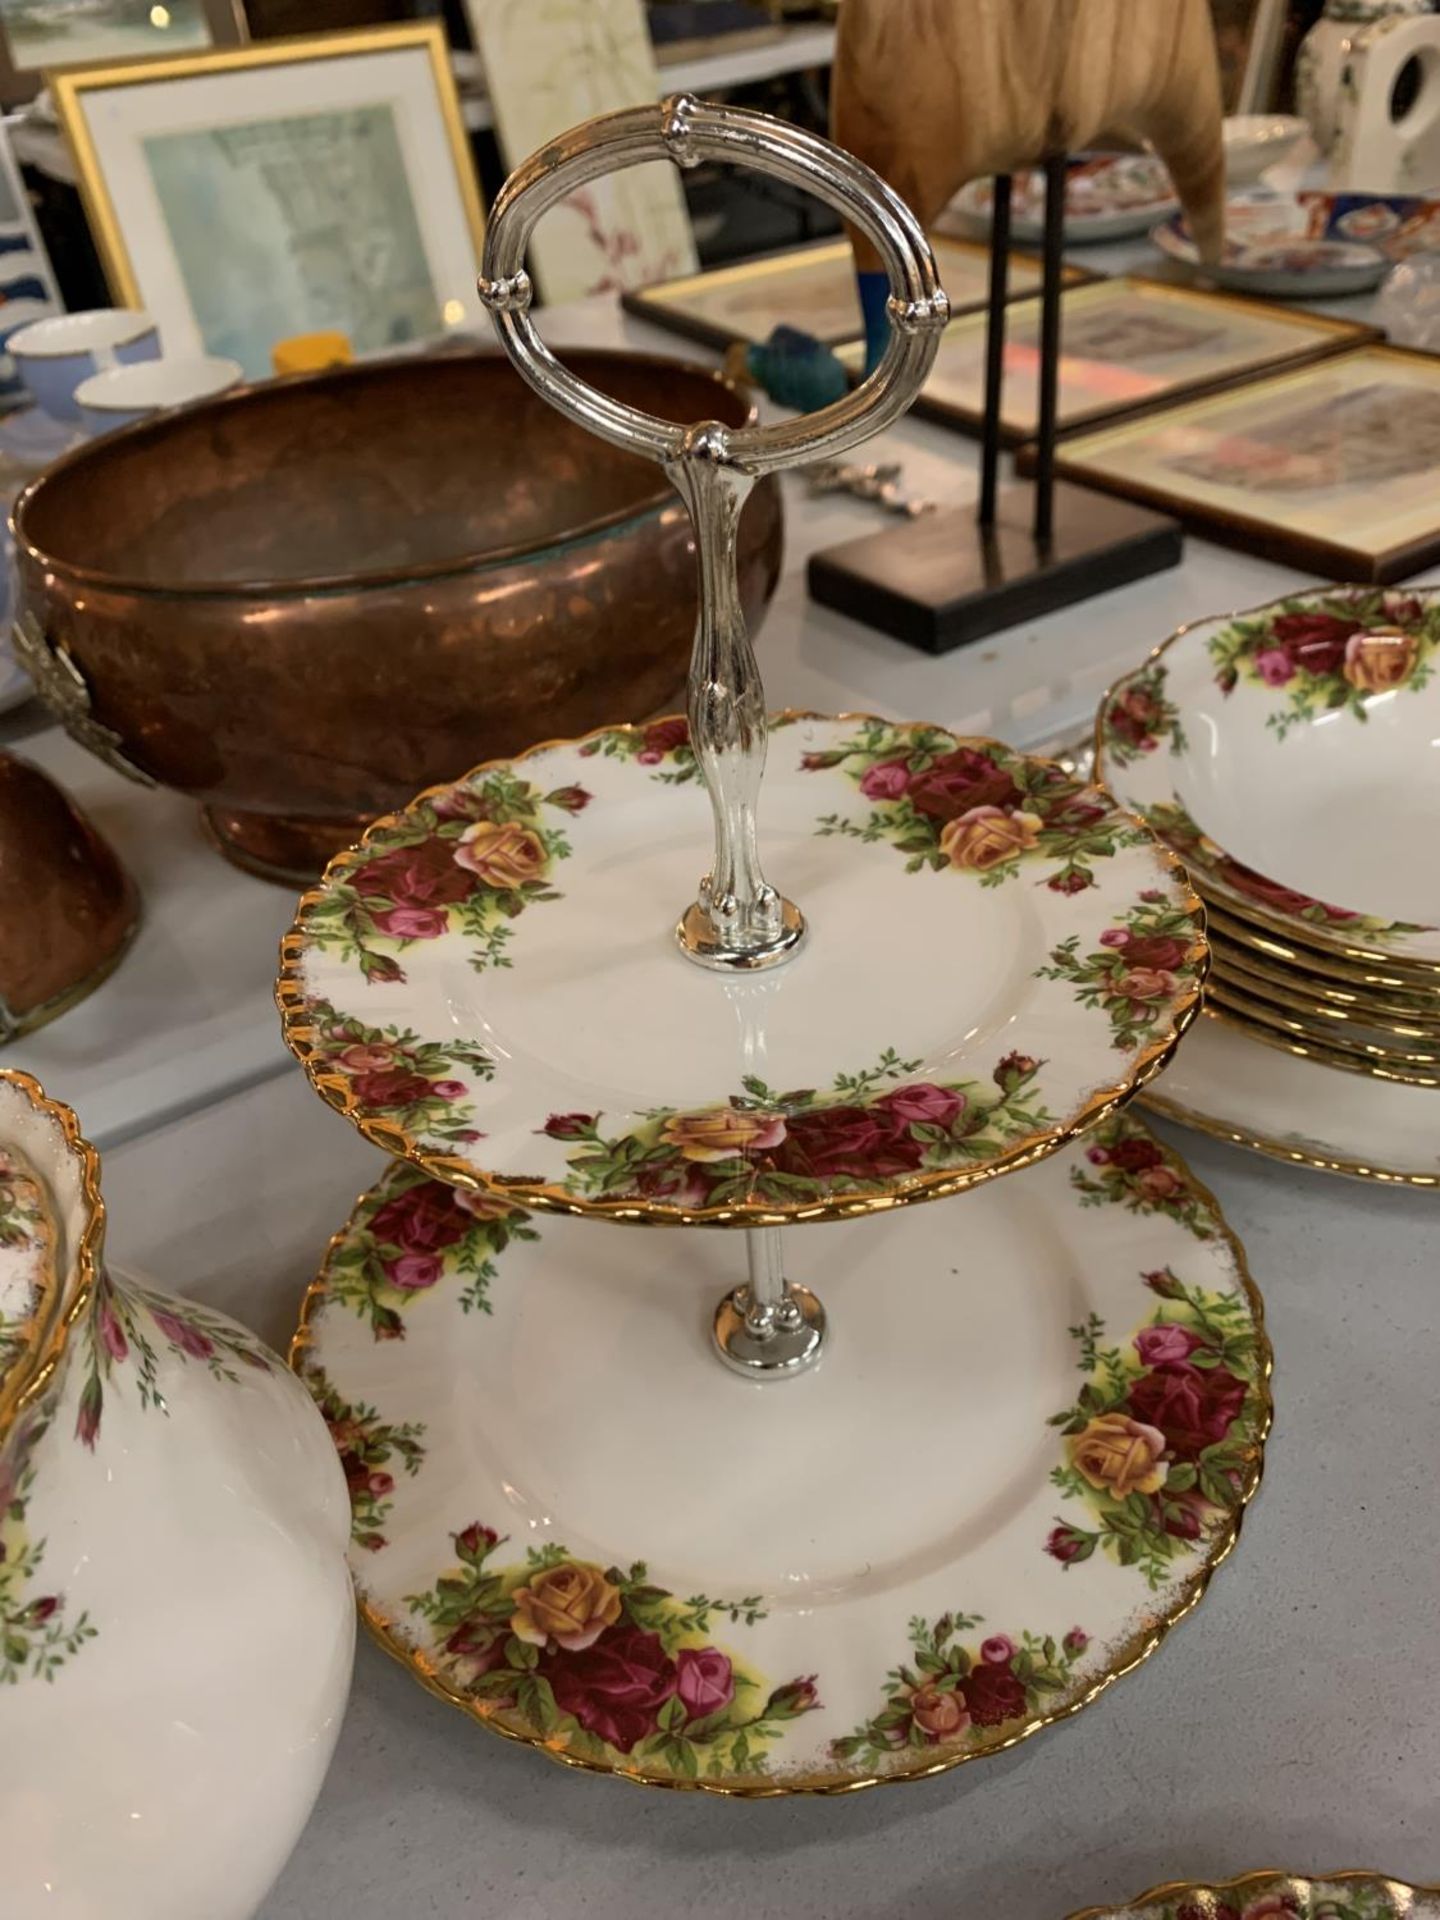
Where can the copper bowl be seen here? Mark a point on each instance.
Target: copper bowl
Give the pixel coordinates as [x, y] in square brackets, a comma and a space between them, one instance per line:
[303, 601]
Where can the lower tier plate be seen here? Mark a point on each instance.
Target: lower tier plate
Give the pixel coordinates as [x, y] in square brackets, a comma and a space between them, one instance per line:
[1029, 1443]
[1225, 1084]
[1279, 1896]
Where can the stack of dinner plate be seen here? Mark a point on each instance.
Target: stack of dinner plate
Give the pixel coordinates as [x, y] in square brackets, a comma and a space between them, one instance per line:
[1291, 758]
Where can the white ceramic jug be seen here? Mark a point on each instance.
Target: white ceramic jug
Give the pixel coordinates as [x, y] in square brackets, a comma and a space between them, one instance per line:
[176, 1622]
[1388, 138]
[1320, 62]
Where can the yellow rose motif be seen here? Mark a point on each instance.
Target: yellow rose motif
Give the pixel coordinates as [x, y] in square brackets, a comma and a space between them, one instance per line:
[1120, 1454]
[722, 1132]
[502, 855]
[1376, 662]
[571, 1604]
[986, 837]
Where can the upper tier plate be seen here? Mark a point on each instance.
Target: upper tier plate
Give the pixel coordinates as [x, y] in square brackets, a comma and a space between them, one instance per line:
[1300, 778]
[489, 984]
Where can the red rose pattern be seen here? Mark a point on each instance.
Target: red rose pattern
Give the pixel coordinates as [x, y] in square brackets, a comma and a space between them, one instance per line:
[959, 781]
[1314, 641]
[1135, 1155]
[663, 736]
[395, 1087]
[1192, 1406]
[704, 1680]
[993, 1694]
[1135, 717]
[616, 1687]
[423, 876]
[423, 1219]
[862, 1142]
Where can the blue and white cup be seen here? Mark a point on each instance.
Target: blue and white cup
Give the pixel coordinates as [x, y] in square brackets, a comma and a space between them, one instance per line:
[54, 356]
[121, 395]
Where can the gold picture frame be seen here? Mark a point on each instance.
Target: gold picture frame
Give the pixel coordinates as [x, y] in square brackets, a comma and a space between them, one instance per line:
[744, 301]
[1128, 345]
[1320, 468]
[222, 23]
[122, 214]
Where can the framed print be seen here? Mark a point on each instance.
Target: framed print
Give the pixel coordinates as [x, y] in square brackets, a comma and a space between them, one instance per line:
[1331, 468]
[295, 186]
[1248, 37]
[549, 64]
[38, 35]
[812, 288]
[1126, 347]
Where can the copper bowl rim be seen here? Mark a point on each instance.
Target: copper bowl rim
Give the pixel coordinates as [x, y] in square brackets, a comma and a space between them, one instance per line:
[303, 585]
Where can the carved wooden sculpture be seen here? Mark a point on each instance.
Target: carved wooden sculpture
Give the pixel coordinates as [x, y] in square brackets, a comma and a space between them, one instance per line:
[933, 93]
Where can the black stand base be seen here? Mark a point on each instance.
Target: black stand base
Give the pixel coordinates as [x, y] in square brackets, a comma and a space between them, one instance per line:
[941, 580]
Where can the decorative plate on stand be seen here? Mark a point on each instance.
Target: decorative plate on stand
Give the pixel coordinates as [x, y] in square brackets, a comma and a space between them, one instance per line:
[1108, 196]
[999, 956]
[1279, 1896]
[566, 1524]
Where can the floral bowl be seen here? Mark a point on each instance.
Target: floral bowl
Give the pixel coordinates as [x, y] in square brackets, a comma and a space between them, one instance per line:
[1288, 755]
[177, 1621]
[1279, 1896]
[302, 601]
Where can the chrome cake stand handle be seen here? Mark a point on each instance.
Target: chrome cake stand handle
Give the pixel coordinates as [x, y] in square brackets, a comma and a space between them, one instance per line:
[766, 1329]
[738, 922]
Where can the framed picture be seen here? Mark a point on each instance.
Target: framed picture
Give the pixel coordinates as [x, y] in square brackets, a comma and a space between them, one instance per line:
[1126, 347]
[812, 288]
[283, 188]
[37, 35]
[1330, 468]
[1249, 36]
[549, 64]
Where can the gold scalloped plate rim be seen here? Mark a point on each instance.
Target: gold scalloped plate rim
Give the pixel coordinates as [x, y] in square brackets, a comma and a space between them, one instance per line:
[1166, 1107]
[1423, 971]
[298, 1031]
[1275, 1033]
[1338, 1026]
[1326, 966]
[1255, 1882]
[1133, 1653]
[1245, 966]
[33, 1375]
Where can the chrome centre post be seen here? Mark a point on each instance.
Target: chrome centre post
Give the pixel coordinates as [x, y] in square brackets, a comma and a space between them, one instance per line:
[737, 922]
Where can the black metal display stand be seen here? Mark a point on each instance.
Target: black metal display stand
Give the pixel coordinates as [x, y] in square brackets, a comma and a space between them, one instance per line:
[1029, 548]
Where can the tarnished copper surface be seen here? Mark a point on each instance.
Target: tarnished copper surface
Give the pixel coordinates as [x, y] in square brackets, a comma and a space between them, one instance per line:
[67, 906]
[303, 601]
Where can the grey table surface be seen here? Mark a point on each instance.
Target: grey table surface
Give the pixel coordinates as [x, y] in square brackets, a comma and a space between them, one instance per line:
[1290, 1721]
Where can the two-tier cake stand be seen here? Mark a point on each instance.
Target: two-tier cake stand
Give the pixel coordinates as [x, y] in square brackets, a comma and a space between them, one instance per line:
[943, 1491]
